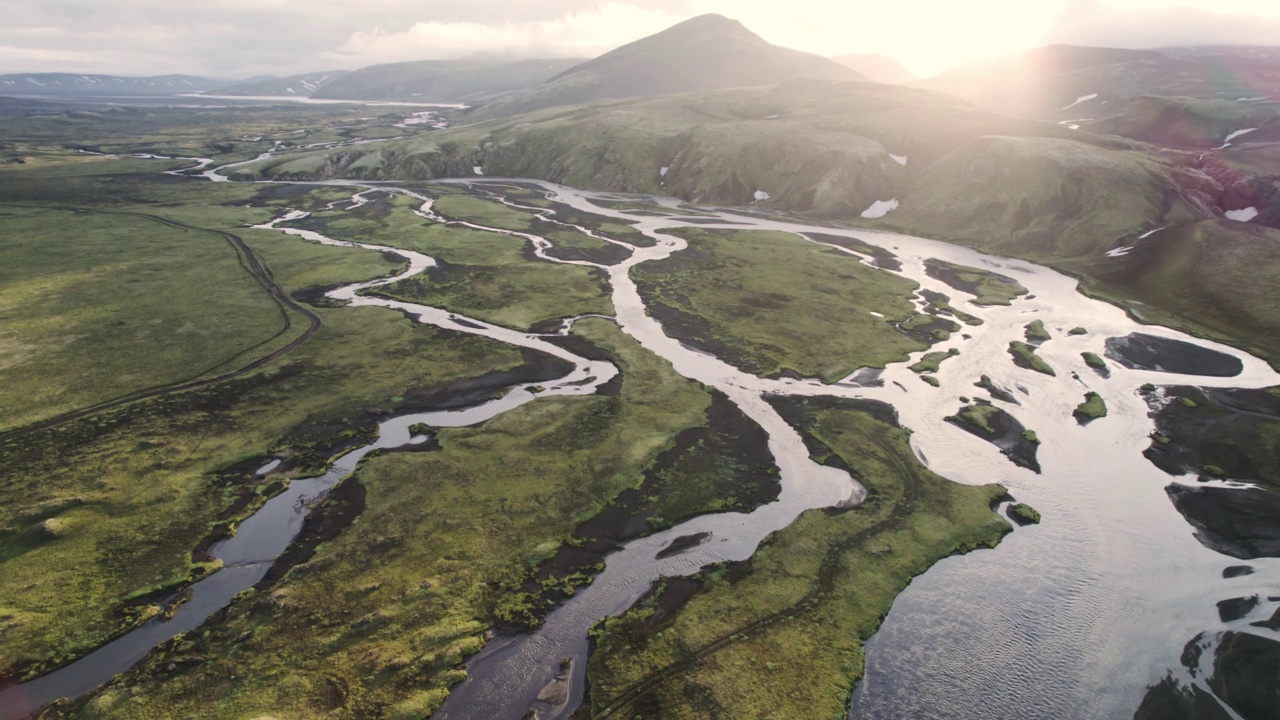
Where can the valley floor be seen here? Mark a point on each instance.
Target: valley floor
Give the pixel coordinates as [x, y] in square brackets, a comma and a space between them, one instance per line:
[181, 342]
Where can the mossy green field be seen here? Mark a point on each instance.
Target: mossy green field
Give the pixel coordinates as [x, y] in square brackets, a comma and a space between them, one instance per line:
[782, 636]
[773, 302]
[429, 551]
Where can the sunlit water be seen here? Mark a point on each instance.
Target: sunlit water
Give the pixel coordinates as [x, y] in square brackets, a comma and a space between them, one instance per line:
[1070, 618]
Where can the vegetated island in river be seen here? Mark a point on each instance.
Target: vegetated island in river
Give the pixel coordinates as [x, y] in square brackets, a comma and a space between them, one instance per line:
[1000, 429]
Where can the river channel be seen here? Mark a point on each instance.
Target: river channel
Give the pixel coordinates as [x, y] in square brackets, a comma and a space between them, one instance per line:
[1072, 618]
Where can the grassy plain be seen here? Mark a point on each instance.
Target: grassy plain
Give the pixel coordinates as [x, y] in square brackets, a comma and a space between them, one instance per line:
[377, 621]
[770, 302]
[224, 134]
[134, 491]
[484, 275]
[108, 304]
[781, 636]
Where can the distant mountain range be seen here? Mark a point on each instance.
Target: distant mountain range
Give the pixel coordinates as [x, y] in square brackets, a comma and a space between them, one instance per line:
[72, 84]
[450, 81]
[877, 68]
[1061, 82]
[304, 85]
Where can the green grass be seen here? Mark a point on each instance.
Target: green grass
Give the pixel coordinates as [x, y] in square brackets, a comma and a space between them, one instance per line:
[482, 211]
[94, 306]
[769, 302]
[1210, 278]
[979, 416]
[574, 245]
[988, 288]
[1024, 355]
[225, 134]
[1025, 514]
[1037, 332]
[827, 580]
[942, 304]
[483, 275]
[1092, 408]
[389, 608]
[1093, 360]
[932, 361]
[136, 489]
[1043, 198]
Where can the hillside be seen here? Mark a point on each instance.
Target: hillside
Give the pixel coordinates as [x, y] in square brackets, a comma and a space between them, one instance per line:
[72, 84]
[442, 80]
[300, 85]
[814, 146]
[1189, 123]
[1212, 277]
[1063, 82]
[877, 68]
[893, 157]
[709, 52]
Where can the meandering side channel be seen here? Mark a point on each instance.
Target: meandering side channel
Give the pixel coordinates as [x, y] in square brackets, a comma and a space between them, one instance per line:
[259, 540]
[1072, 618]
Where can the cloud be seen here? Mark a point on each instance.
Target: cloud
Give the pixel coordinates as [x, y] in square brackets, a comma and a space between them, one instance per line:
[238, 38]
[584, 33]
[1151, 27]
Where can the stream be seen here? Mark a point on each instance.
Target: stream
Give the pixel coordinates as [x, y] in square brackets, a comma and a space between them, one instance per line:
[1072, 618]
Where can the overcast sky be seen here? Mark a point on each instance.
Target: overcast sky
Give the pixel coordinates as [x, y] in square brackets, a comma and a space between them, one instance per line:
[239, 38]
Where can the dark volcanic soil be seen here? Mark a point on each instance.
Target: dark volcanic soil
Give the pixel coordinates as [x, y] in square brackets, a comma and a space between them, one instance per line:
[1148, 352]
[1244, 524]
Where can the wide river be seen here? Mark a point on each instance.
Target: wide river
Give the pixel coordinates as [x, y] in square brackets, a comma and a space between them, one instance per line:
[1072, 618]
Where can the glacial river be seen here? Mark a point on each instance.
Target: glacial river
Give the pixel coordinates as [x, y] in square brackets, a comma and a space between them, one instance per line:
[1072, 618]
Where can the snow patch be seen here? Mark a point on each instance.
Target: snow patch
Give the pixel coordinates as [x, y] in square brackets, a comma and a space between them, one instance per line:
[876, 314]
[662, 172]
[1073, 126]
[900, 159]
[1082, 98]
[1226, 142]
[1243, 215]
[477, 170]
[761, 195]
[1237, 134]
[1119, 252]
[1149, 233]
[880, 208]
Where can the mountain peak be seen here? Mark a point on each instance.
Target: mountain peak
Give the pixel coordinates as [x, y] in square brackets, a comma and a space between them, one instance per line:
[707, 52]
[709, 20]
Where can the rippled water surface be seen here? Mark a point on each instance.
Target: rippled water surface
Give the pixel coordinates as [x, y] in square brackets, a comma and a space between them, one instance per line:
[1072, 618]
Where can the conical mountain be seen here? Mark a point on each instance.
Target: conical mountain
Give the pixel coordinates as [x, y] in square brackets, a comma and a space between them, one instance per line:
[709, 52]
